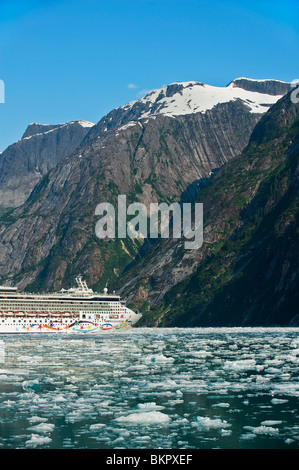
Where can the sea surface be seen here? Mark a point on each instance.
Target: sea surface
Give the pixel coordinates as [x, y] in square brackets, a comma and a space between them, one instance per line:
[199, 388]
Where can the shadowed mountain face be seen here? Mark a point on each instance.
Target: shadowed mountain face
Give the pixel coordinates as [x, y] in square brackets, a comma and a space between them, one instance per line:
[24, 163]
[152, 150]
[246, 272]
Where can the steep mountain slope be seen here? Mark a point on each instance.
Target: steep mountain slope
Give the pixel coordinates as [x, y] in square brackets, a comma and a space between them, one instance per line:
[246, 272]
[24, 163]
[148, 150]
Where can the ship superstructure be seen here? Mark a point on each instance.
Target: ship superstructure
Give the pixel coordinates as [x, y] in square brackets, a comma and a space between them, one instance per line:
[75, 310]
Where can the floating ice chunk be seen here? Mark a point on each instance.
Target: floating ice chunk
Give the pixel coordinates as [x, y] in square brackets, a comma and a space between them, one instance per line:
[149, 417]
[273, 370]
[149, 406]
[180, 421]
[289, 441]
[7, 404]
[37, 419]
[31, 384]
[98, 363]
[278, 401]
[59, 398]
[221, 405]
[97, 426]
[225, 432]
[121, 431]
[199, 354]
[42, 428]
[287, 388]
[175, 402]
[208, 423]
[246, 364]
[247, 437]
[270, 423]
[118, 439]
[37, 440]
[266, 430]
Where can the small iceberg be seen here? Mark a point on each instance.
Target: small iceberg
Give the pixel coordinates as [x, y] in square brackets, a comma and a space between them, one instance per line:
[148, 417]
[31, 385]
[208, 423]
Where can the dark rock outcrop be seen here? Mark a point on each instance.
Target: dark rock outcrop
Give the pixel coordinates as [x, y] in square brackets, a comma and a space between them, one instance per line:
[270, 87]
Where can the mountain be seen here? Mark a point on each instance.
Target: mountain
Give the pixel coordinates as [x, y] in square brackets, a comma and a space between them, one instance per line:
[162, 147]
[191, 98]
[246, 272]
[24, 163]
[204, 107]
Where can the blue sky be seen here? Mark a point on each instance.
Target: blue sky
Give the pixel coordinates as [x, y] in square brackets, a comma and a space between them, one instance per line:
[63, 60]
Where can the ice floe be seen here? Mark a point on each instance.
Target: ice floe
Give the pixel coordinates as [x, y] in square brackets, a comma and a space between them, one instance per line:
[148, 417]
[165, 388]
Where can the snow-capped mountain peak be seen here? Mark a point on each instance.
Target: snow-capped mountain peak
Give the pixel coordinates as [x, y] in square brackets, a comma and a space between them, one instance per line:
[180, 98]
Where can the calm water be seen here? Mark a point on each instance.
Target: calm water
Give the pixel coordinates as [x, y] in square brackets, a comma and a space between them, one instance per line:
[197, 388]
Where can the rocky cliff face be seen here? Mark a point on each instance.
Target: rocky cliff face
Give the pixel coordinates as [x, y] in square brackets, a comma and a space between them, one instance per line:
[24, 163]
[152, 150]
[147, 161]
[246, 272]
[269, 87]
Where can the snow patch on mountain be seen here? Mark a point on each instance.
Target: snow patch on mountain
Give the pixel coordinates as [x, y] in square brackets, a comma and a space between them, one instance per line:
[181, 98]
[85, 123]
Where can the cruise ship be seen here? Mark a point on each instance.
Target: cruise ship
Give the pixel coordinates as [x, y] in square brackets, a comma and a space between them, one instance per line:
[75, 310]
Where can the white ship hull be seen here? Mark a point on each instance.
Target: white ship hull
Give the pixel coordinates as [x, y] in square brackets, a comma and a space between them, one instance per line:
[75, 311]
[24, 325]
